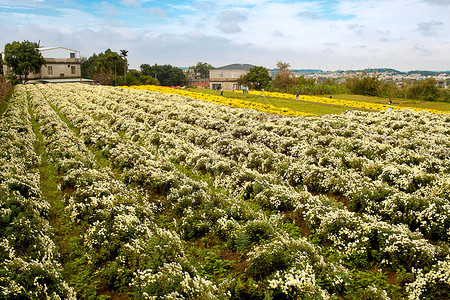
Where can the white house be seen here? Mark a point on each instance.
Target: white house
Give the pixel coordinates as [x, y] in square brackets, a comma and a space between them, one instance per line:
[226, 77]
[62, 65]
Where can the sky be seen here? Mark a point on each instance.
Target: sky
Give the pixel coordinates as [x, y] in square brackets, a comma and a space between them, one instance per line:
[307, 34]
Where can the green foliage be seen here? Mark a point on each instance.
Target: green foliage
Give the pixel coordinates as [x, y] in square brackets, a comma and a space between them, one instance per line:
[202, 69]
[166, 74]
[279, 255]
[258, 78]
[284, 79]
[445, 95]
[210, 259]
[255, 232]
[372, 284]
[286, 82]
[425, 90]
[103, 67]
[364, 84]
[245, 290]
[12, 78]
[136, 78]
[23, 58]
[319, 89]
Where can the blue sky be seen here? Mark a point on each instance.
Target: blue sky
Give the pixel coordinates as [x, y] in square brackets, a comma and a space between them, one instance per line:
[331, 35]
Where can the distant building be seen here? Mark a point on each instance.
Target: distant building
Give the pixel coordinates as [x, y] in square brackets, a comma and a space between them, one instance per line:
[443, 83]
[226, 77]
[198, 82]
[62, 65]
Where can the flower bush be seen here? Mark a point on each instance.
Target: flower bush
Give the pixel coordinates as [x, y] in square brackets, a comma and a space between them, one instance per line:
[146, 174]
[29, 266]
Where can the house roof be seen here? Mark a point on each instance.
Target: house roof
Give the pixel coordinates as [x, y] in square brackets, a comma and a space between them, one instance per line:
[54, 48]
[245, 67]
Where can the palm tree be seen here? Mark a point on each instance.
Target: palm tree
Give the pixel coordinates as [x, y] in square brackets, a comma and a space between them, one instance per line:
[124, 54]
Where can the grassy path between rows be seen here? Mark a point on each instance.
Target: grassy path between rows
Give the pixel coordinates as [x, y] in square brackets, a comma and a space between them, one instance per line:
[66, 234]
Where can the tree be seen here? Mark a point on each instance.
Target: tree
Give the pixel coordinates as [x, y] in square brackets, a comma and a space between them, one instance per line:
[258, 77]
[103, 67]
[243, 80]
[23, 58]
[364, 84]
[166, 74]
[284, 77]
[202, 68]
[425, 90]
[124, 54]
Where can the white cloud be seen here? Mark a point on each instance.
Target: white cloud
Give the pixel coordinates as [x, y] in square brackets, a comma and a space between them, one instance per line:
[358, 29]
[438, 2]
[108, 9]
[421, 50]
[156, 11]
[134, 3]
[429, 28]
[308, 15]
[228, 21]
[343, 33]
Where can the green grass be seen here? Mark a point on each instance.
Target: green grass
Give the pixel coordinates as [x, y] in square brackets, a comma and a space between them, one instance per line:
[308, 107]
[444, 106]
[324, 109]
[66, 235]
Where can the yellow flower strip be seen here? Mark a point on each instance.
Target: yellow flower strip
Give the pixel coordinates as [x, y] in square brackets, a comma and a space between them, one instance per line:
[349, 103]
[222, 100]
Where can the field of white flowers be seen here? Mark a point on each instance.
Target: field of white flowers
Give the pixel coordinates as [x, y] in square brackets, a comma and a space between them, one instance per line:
[160, 196]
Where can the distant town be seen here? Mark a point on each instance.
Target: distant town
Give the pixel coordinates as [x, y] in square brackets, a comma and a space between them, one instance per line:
[384, 74]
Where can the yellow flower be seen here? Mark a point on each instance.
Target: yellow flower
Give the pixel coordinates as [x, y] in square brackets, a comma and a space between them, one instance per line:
[349, 103]
[222, 100]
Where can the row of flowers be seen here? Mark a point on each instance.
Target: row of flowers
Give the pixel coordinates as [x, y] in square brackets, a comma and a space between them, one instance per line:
[185, 195]
[275, 110]
[222, 100]
[340, 102]
[379, 169]
[195, 203]
[121, 240]
[29, 267]
[138, 121]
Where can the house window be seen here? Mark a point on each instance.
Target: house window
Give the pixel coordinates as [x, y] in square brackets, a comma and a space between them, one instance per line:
[221, 74]
[50, 70]
[72, 55]
[72, 69]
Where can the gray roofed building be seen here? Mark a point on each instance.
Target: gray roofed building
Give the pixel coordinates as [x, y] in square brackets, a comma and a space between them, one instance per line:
[226, 77]
[245, 67]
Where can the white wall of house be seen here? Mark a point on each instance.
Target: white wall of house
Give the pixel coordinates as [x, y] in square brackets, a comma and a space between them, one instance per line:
[225, 78]
[59, 70]
[61, 63]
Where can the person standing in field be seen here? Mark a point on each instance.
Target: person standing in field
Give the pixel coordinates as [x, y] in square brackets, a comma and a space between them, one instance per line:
[297, 94]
